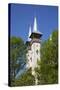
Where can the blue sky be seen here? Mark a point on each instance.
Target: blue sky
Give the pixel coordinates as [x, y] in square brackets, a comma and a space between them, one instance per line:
[22, 16]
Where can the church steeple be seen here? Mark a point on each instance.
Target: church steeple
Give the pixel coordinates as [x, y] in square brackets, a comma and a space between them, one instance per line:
[35, 25]
[29, 34]
[35, 34]
[34, 44]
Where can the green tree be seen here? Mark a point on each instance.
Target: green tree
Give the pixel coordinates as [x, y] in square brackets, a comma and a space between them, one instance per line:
[17, 56]
[47, 70]
[25, 79]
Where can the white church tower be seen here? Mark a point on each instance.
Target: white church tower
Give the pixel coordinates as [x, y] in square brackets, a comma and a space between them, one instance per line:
[34, 44]
[33, 50]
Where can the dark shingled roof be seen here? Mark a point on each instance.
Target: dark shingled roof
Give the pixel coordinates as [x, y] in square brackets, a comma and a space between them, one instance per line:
[36, 34]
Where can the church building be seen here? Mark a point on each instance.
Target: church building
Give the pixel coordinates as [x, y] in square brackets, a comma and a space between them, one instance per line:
[33, 50]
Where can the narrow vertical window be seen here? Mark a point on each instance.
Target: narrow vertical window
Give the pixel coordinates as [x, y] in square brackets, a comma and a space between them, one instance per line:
[31, 59]
[37, 51]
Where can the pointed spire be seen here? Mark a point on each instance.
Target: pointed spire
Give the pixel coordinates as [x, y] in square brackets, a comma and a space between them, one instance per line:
[50, 37]
[35, 25]
[29, 34]
[29, 31]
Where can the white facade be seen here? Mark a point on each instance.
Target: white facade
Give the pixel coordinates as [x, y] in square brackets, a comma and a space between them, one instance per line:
[33, 55]
[35, 48]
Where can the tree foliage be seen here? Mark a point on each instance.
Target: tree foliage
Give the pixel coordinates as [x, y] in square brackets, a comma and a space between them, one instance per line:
[25, 79]
[47, 70]
[17, 56]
